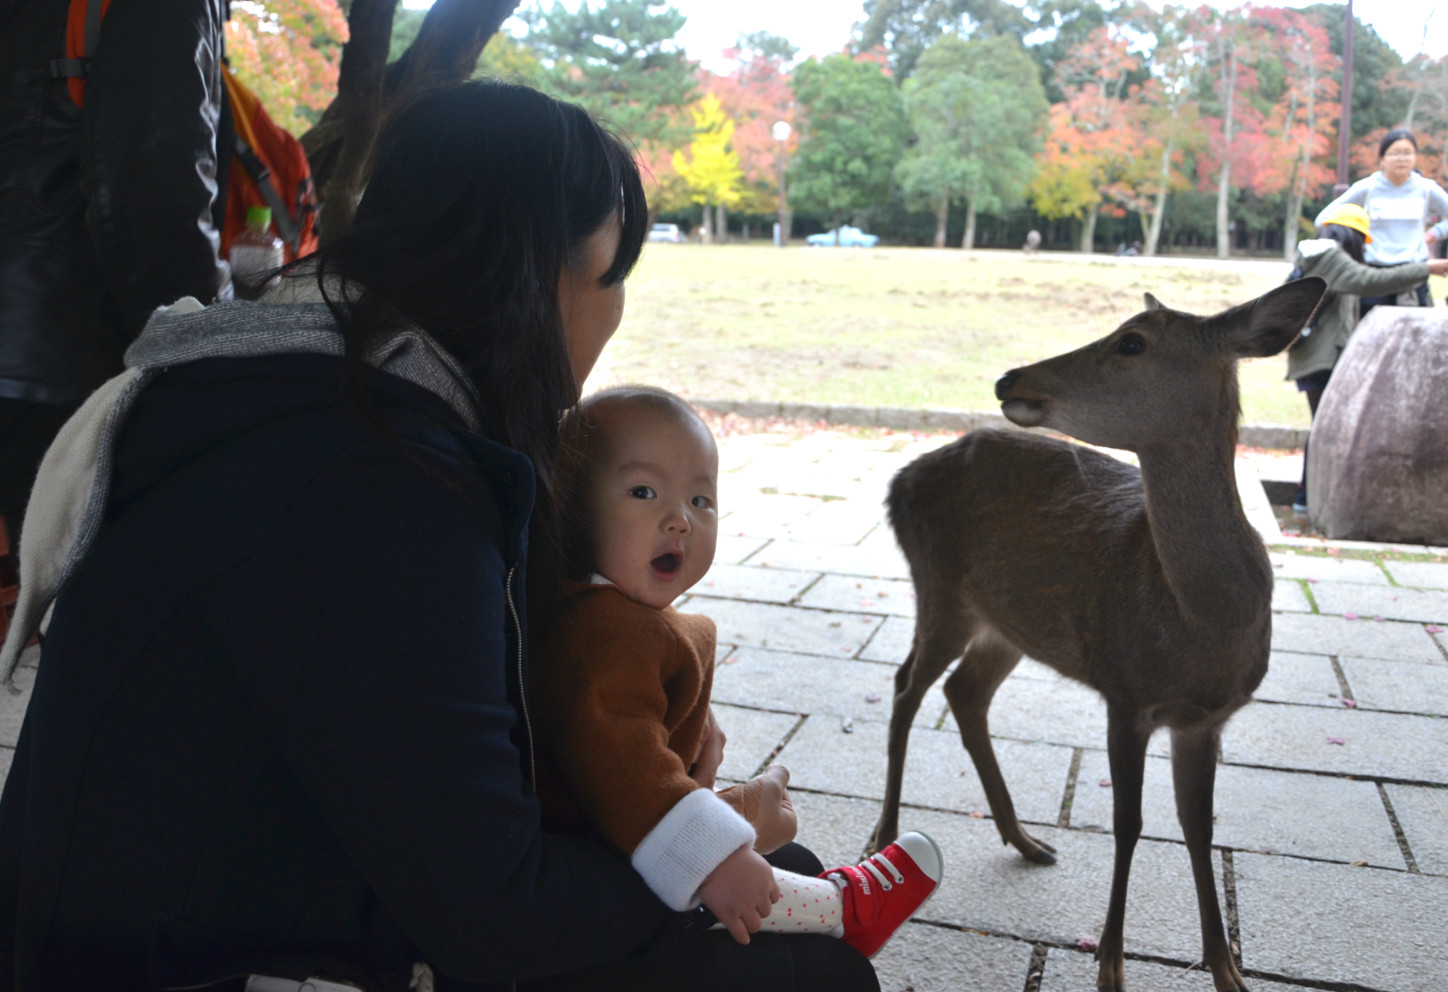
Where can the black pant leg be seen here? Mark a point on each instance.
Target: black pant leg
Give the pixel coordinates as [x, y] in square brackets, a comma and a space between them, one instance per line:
[711, 961]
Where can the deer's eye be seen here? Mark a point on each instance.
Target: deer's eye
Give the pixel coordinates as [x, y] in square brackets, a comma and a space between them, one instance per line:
[1131, 344]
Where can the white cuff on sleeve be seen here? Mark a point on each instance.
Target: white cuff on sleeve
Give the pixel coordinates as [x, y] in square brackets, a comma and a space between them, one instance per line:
[690, 841]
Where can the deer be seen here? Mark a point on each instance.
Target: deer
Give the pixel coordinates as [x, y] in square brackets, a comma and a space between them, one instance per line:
[1146, 584]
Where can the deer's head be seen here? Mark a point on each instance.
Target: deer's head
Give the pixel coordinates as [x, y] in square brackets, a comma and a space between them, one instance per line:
[1159, 373]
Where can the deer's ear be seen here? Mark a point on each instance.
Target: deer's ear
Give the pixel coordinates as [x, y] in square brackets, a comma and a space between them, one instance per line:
[1152, 303]
[1273, 320]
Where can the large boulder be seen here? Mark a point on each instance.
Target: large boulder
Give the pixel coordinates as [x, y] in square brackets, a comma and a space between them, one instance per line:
[1377, 466]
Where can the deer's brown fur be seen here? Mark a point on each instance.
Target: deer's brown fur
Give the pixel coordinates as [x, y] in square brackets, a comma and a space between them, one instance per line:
[1148, 585]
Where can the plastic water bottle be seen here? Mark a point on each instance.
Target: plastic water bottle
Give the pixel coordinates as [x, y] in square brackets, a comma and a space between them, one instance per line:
[255, 252]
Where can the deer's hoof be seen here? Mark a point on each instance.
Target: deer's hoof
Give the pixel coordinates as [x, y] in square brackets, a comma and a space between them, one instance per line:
[1042, 855]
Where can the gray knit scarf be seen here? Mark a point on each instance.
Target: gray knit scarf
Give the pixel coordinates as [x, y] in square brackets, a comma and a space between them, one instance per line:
[73, 485]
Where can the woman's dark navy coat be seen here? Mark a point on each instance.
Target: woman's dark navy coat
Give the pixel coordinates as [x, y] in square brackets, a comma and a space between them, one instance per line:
[275, 725]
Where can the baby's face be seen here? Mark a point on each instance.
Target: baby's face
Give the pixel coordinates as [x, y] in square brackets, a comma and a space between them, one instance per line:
[653, 505]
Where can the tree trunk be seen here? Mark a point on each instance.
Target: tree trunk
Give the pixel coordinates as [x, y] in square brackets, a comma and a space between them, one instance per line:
[1294, 211]
[721, 223]
[706, 228]
[339, 147]
[968, 240]
[1292, 227]
[942, 213]
[1088, 231]
[1224, 181]
[838, 222]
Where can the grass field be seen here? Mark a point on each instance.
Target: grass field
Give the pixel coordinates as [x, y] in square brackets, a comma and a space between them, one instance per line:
[903, 327]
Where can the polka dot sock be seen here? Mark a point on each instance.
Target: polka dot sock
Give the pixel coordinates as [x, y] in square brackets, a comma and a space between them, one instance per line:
[806, 905]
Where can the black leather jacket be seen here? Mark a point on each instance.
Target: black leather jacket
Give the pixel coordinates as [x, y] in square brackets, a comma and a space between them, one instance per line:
[109, 211]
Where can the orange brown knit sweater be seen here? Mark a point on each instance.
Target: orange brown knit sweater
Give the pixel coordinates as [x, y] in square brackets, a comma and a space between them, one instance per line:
[621, 692]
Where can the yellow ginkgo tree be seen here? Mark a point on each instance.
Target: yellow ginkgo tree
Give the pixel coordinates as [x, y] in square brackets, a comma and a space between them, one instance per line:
[712, 166]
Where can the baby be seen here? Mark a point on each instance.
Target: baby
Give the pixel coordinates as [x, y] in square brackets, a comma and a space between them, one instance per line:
[622, 682]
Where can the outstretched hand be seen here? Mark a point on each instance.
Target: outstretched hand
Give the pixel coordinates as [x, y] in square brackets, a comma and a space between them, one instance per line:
[740, 893]
[1438, 266]
[764, 802]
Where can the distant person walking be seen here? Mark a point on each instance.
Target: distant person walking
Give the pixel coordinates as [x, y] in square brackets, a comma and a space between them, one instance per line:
[1033, 242]
[1398, 200]
[1336, 254]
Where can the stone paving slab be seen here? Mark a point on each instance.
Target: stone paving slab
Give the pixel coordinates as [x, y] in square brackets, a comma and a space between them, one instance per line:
[923, 958]
[1388, 745]
[1053, 710]
[873, 559]
[1312, 634]
[785, 628]
[1289, 596]
[1306, 679]
[861, 594]
[7, 758]
[834, 687]
[765, 585]
[752, 736]
[989, 887]
[1313, 816]
[938, 771]
[1075, 971]
[1389, 602]
[1396, 685]
[804, 519]
[1423, 814]
[1337, 923]
[756, 514]
[891, 643]
[1316, 568]
[732, 549]
[1428, 575]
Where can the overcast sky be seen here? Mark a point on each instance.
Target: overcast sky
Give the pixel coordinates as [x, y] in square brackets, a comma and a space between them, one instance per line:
[820, 27]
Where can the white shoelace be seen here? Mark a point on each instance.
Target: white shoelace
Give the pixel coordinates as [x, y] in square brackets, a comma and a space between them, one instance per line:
[869, 865]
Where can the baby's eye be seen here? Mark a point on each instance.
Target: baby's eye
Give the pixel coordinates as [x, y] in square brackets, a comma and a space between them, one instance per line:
[641, 492]
[702, 502]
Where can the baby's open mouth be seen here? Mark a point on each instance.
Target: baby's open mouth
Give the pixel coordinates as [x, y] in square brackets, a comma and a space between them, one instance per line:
[667, 564]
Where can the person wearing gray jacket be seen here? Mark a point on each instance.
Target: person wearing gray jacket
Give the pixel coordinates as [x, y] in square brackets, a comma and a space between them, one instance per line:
[1398, 201]
[1336, 255]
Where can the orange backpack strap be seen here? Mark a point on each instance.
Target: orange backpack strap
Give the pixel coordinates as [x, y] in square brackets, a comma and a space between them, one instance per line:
[82, 36]
[244, 110]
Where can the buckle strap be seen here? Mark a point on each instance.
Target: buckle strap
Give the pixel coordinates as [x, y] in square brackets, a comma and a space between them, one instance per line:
[69, 68]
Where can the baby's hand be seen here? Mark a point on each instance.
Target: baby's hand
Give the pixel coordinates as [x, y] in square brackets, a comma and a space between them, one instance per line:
[740, 893]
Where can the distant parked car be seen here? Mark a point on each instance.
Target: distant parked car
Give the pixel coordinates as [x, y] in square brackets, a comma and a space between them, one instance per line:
[850, 237]
[669, 233]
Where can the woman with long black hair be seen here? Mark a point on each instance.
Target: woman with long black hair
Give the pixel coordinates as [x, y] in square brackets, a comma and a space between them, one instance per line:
[279, 723]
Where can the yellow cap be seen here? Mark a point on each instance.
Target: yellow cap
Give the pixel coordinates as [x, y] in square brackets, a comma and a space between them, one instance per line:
[1350, 215]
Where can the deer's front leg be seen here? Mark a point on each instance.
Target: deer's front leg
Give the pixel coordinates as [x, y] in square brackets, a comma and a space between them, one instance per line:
[1126, 749]
[1194, 772]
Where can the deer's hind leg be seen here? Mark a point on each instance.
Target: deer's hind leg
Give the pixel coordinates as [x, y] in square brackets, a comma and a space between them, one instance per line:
[941, 632]
[988, 659]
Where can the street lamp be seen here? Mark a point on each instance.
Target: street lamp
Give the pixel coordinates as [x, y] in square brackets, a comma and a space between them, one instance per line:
[781, 132]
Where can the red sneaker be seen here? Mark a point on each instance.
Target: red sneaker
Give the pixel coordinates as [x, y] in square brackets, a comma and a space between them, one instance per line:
[884, 890]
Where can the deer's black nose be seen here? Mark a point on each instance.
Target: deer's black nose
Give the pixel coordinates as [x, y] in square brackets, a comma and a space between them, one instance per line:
[1004, 384]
